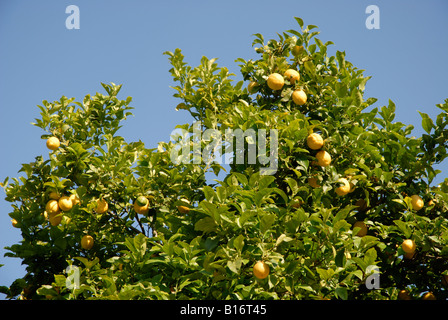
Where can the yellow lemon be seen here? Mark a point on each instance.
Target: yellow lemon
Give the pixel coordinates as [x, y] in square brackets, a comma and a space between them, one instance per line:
[53, 143]
[141, 209]
[75, 199]
[408, 246]
[15, 223]
[252, 87]
[417, 202]
[101, 206]
[296, 50]
[299, 97]
[323, 158]
[87, 242]
[65, 203]
[315, 141]
[52, 207]
[292, 75]
[344, 189]
[404, 295]
[429, 296]
[55, 218]
[261, 270]
[276, 81]
[183, 209]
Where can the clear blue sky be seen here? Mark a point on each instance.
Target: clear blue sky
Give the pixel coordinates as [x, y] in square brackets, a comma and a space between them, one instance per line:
[123, 41]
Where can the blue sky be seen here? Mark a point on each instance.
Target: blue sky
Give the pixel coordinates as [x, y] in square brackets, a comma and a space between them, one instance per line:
[123, 41]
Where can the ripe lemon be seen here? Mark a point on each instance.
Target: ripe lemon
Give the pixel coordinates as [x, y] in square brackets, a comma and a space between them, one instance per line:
[142, 201]
[292, 75]
[101, 206]
[15, 223]
[261, 270]
[53, 143]
[404, 295]
[408, 246]
[323, 158]
[75, 199]
[315, 141]
[276, 81]
[363, 231]
[429, 296]
[417, 202]
[141, 209]
[296, 50]
[87, 242]
[55, 218]
[299, 97]
[313, 182]
[52, 207]
[409, 256]
[65, 203]
[252, 87]
[183, 209]
[344, 189]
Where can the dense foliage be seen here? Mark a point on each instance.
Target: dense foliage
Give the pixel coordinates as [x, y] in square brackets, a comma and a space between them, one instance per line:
[201, 239]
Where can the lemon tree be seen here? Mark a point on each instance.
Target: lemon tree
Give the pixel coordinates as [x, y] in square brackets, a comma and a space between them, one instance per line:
[353, 191]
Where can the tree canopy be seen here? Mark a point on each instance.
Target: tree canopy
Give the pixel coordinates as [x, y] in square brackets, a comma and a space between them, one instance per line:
[321, 236]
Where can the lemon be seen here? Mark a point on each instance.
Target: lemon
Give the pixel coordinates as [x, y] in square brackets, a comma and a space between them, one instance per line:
[315, 141]
[183, 209]
[408, 246]
[53, 143]
[252, 87]
[323, 158]
[292, 75]
[75, 199]
[15, 223]
[261, 270]
[429, 296]
[55, 218]
[297, 50]
[344, 189]
[404, 295]
[299, 97]
[65, 203]
[87, 242]
[142, 201]
[52, 207]
[141, 209]
[276, 81]
[417, 202]
[101, 206]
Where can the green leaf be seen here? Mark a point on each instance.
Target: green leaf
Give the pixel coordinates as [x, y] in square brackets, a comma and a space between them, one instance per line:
[403, 226]
[238, 242]
[341, 293]
[60, 280]
[266, 222]
[206, 225]
[299, 21]
[235, 265]
[88, 263]
[427, 122]
[370, 256]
